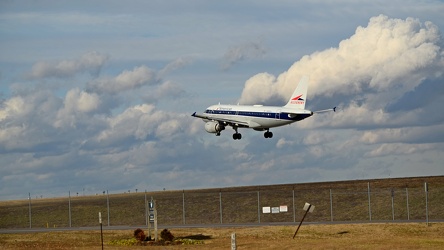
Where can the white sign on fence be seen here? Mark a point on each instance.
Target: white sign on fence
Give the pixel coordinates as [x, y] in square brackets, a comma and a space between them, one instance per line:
[275, 210]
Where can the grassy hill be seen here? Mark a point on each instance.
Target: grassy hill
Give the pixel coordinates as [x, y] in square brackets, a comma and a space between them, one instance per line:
[334, 201]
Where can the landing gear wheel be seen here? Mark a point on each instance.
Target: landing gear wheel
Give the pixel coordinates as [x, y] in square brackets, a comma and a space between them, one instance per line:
[237, 136]
[268, 134]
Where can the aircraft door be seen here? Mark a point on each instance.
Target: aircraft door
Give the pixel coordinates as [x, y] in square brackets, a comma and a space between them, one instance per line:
[278, 113]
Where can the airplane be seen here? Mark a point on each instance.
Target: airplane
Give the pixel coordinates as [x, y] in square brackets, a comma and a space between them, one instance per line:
[258, 117]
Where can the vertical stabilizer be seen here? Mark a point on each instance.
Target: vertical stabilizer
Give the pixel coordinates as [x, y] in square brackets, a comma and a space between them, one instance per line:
[299, 96]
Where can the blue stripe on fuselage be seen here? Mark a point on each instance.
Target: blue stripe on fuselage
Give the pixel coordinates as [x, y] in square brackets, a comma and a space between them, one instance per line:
[271, 115]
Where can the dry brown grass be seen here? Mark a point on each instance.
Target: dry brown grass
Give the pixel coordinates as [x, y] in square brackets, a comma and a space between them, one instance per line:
[341, 236]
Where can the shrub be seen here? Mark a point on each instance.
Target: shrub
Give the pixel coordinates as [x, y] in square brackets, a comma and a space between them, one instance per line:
[139, 234]
[166, 235]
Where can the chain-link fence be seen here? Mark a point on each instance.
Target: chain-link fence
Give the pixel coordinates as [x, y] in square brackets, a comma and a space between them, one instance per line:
[267, 205]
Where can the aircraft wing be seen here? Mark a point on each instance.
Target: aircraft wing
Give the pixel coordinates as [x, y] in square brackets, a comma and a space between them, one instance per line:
[203, 116]
[230, 122]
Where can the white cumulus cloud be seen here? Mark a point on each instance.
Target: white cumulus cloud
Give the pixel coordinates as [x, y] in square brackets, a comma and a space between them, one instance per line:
[77, 104]
[375, 55]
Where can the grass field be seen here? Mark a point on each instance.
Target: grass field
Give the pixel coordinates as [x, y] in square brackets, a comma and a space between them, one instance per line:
[339, 236]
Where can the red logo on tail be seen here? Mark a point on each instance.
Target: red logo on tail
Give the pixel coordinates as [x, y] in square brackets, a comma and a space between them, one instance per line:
[297, 100]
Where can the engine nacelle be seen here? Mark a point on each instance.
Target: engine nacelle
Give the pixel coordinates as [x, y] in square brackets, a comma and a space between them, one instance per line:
[214, 127]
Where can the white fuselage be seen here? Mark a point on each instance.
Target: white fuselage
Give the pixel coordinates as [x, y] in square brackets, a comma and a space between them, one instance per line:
[257, 116]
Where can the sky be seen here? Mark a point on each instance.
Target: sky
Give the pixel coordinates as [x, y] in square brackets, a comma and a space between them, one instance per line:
[98, 95]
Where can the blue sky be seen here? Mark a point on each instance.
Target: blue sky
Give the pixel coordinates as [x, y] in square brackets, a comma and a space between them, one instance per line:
[97, 95]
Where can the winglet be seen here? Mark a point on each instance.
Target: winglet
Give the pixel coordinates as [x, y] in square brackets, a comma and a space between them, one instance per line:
[194, 114]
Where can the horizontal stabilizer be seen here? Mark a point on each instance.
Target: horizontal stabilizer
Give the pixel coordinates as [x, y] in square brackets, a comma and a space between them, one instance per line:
[325, 110]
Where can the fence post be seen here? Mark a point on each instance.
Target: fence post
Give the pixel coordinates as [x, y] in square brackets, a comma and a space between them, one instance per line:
[407, 201]
[393, 204]
[101, 229]
[69, 207]
[331, 206]
[258, 207]
[30, 213]
[220, 206]
[183, 206]
[150, 205]
[426, 187]
[294, 208]
[146, 211]
[155, 219]
[107, 205]
[369, 202]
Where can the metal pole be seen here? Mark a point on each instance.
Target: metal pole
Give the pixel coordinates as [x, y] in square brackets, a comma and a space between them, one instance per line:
[407, 201]
[220, 206]
[369, 202]
[101, 230]
[101, 234]
[107, 205]
[294, 209]
[258, 207]
[393, 204]
[151, 203]
[146, 211]
[426, 187]
[69, 207]
[155, 220]
[306, 212]
[331, 206]
[183, 206]
[30, 213]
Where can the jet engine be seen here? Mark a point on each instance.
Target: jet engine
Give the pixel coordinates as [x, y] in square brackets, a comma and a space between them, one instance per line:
[214, 127]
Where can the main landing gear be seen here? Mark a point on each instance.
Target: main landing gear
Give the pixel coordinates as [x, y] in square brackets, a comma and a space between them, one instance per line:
[268, 134]
[237, 135]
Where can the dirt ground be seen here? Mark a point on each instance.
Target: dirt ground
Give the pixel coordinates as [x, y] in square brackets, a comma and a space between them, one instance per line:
[341, 236]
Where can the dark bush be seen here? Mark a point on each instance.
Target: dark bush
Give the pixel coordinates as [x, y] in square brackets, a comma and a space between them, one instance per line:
[139, 234]
[166, 235]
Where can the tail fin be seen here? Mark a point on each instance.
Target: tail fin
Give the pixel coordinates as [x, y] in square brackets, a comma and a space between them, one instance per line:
[299, 96]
